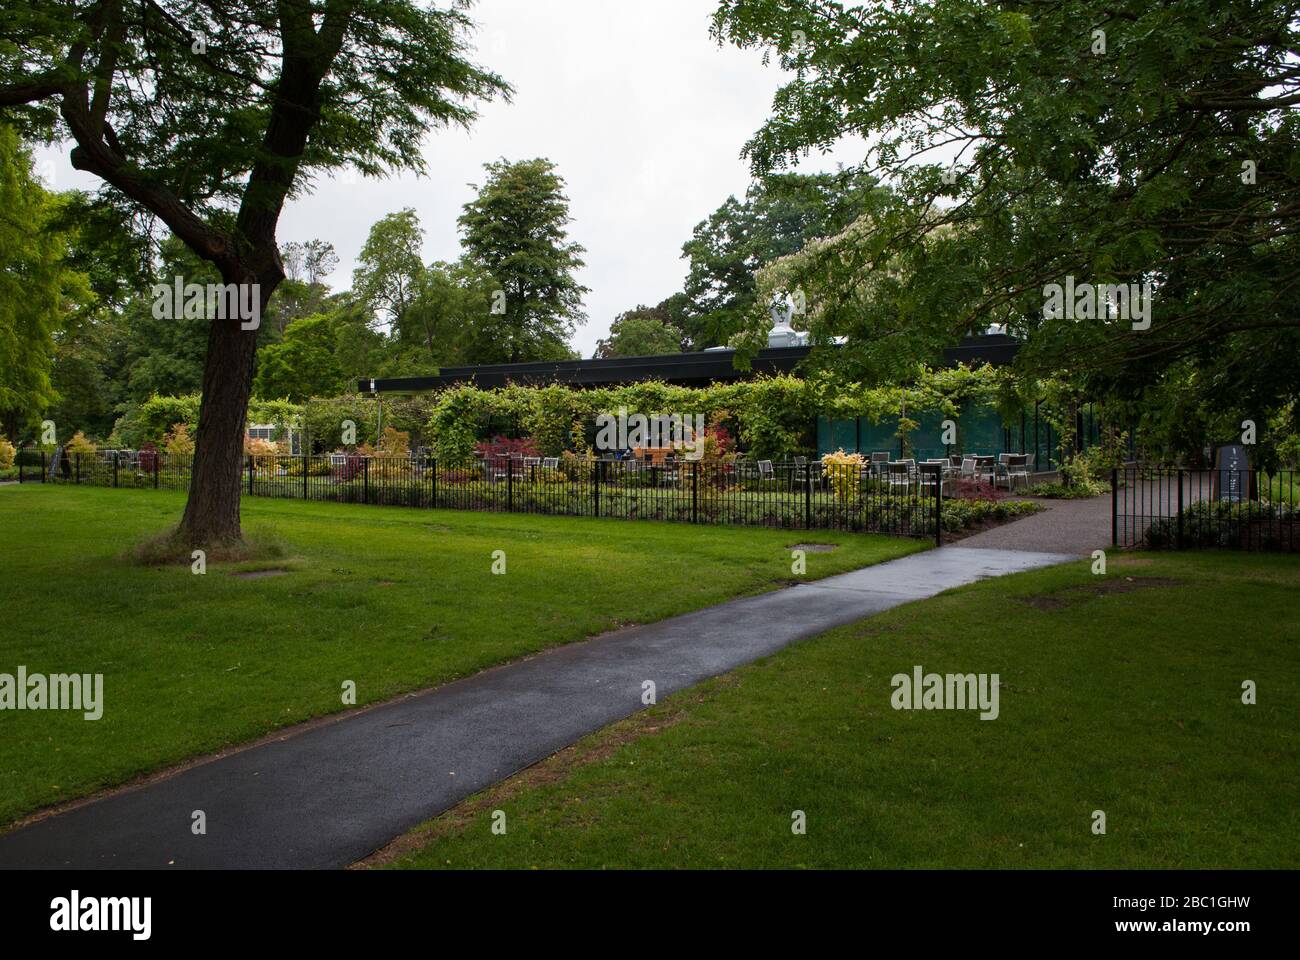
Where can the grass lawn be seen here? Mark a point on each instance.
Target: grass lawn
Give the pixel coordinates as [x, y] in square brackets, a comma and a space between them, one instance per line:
[393, 599]
[1116, 695]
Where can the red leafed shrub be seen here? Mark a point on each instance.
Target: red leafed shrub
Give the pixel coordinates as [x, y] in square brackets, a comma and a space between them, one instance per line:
[350, 468]
[718, 443]
[503, 447]
[976, 490]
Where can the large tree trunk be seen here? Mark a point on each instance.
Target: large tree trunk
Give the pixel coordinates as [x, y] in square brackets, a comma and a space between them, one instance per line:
[212, 510]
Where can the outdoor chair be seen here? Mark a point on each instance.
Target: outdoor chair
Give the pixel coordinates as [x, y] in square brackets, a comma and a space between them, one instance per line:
[550, 463]
[765, 471]
[878, 460]
[898, 474]
[1017, 468]
[668, 472]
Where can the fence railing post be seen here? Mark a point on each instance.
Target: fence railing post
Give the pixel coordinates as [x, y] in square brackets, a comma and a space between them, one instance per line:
[1114, 506]
[365, 479]
[695, 490]
[43, 470]
[20, 458]
[1179, 542]
[597, 467]
[251, 473]
[510, 484]
[807, 496]
[114, 470]
[433, 467]
[157, 468]
[938, 509]
[306, 463]
[77, 462]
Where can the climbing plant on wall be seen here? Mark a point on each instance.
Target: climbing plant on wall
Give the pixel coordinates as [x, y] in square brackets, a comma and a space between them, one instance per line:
[771, 414]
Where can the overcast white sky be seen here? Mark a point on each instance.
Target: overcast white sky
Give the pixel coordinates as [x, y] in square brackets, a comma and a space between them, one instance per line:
[642, 112]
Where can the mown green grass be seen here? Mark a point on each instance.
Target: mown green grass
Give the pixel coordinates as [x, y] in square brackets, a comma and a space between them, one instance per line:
[1129, 703]
[393, 599]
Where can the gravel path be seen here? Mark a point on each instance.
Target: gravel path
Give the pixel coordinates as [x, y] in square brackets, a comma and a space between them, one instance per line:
[1065, 526]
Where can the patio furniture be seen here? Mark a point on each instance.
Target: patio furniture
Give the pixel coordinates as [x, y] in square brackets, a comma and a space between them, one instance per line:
[806, 473]
[967, 468]
[898, 473]
[550, 463]
[987, 467]
[878, 460]
[930, 474]
[1017, 468]
[668, 472]
[765, 471]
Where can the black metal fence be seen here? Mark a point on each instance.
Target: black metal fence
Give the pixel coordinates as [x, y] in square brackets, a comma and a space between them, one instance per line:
[1164, 507]
[785, 495]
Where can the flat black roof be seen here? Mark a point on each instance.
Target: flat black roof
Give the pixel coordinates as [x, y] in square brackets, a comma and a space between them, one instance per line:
[685, 369]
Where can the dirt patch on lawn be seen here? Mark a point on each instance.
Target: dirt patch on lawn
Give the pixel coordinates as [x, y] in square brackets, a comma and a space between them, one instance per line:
[556, 767]
[1072, 596]
[258, 574]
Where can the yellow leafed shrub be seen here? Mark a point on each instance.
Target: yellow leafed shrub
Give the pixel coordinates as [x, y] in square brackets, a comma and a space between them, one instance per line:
[843, 469]
[178, 439]
[79, 444]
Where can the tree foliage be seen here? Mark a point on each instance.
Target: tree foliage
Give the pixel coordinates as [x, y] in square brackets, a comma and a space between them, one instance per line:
[33, 284]
[302, 364]
[1111, 142]
[778, 216]
[641, 332]
[209, 117]
[515, 229]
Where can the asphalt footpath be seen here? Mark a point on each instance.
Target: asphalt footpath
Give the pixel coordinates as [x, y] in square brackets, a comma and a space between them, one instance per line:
[332, 793]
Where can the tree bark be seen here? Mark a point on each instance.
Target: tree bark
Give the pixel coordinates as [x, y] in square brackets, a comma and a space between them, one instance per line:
[212, 515]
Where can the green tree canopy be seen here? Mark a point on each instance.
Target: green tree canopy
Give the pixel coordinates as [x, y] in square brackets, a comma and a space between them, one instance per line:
[33, 285]
[515, 229]
[209, 117]
[779, 214]
[390, 266]
[641, 332]
[302, 364]
[1107, 142]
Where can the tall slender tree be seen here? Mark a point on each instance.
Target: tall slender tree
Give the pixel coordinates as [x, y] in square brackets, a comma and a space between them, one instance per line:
[516, 229]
